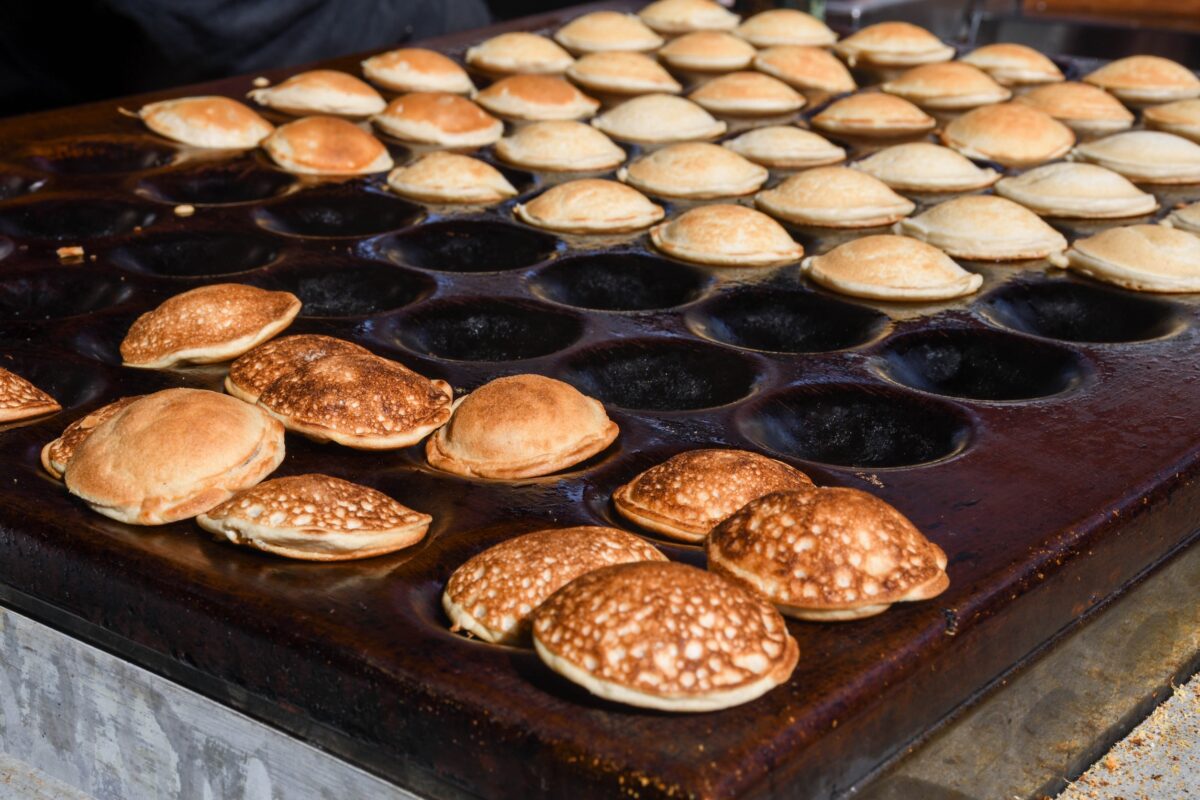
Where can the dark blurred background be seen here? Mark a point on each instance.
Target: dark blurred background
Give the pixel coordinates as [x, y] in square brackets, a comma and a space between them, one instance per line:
[55, 53]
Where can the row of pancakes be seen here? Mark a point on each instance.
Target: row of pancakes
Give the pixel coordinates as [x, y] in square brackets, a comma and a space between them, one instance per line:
[603, 607]
[1037, 127]
[606, 610]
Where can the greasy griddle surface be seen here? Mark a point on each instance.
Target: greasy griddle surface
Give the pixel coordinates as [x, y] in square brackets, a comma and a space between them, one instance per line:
[1045, 506]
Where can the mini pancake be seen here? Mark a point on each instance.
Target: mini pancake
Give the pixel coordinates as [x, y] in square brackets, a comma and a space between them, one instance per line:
[172, 455]
[726, 236]
[1145, 258]
[891, 268]
[834, 197]
[207, 325]
[893, 44]
[809, 68]
[321, 91]
[657, 119]
[1146, 79]
[1014, 64]
[986, 228]
[622, 73]
[1145, 156]
[607, 31]
[212, 121]
[360, 401]
[57, 452]
[828, 555]
[947, 86]
[20, 399]
[707, 51]
[415, 69]
[326, 146]
[560, 146]
[1077, 190]
[251, 374]
[316, 518]
[664, 635]
[786, 147]
[1181, 118]
[446, 120]
[442, 177]
[1083, 108]
[683, 16]
[873, 114]
[493, 595]
[747, 94]
[520, 426]
[1185, 219]
[686, 495]
[697, 170]
[590, 205]
[519, 52]
[536, 97]
[926, 167]
[1013, 134]
[780, 26]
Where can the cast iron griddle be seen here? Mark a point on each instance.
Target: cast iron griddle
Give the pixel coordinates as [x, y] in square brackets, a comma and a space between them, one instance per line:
[1042, 432]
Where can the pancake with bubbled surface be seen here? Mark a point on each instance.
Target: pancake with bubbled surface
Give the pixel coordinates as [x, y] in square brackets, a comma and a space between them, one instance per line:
[493, 595]
[664, 635]
[827, 555]
[316, 518]
[689, 493]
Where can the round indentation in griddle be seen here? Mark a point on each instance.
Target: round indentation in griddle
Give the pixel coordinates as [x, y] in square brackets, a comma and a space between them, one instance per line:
[467, 246]
[662, 374]
[15, 184]
[620, 282]
[33, 295]
[70, 382]
[336, 289]
[855, 425]
[194, 255]
[74, 221]
[100, 156]
[1081, 312]
[486, 329]
[786, 321]
[347, 210]
[981, 364]
[220, 183]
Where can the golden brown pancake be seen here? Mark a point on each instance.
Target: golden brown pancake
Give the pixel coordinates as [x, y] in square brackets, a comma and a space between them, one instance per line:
[438, 118]
[684, 16]
[519, 52]
[326, 146]
[827, 555]
[415, 69]
[536, 97]
[321, 91]
[20, 399]
[873, 114]
[726, 235]
[834, 197]
[806, 68]
[207, 325]
[664, 635]
[697, 170]
[893, 44]
[360, 401]
[891, 269]
[1145, 258]
[1014, 64]
[172, 455]
[686, 495]
[251, 374]
[590, 205]
[1014, 134]
[212, 121]
[520, 426]
[316, 518]
[494, 594]
[444, 177]
[607, 31]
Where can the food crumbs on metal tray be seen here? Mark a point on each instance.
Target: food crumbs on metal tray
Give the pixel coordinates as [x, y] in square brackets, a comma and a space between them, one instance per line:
[70, 253]
[260, 82]
[185, 210]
